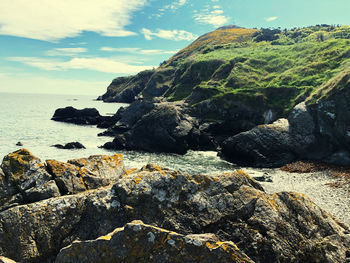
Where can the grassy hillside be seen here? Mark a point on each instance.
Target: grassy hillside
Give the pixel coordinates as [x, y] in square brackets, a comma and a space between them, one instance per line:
[285, 66]
[278, 67]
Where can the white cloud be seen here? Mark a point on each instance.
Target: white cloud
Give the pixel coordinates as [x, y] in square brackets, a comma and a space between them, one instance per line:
[138, 51]
[108, 65]
[273, 18]
[70, 52]
[215, 17]
[175, 5]
[176, 35]
[34, 84]
[56, 19]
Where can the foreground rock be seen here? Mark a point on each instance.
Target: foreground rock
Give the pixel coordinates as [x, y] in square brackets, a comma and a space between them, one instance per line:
[138, 242]
[25, 179]
[70, 145]
[281, 227]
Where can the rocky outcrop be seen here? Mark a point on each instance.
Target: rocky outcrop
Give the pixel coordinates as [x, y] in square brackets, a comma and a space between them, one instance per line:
[25, 179]
[317, 129]
[125, 89]
[273, 145]
[155, 127]
[70, 145]
[88, 116]
[281, 227]
[139, 242]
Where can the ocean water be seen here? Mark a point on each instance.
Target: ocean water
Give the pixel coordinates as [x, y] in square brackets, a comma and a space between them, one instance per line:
[26, 118]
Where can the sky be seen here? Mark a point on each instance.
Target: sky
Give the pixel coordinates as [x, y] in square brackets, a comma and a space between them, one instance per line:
[80, 46]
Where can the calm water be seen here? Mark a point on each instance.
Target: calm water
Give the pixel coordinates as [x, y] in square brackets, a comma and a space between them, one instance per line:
[26, 118]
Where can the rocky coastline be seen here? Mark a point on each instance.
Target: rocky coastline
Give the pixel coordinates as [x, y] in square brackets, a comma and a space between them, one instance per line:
[315, 129]
[96, 209]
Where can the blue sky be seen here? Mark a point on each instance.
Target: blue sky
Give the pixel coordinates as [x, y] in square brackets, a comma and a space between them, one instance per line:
[79, 46]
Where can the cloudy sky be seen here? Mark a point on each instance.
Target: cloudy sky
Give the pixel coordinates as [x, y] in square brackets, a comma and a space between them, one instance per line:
[79, 46]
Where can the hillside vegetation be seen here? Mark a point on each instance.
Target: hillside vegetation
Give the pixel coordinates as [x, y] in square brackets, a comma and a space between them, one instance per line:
[278, 67]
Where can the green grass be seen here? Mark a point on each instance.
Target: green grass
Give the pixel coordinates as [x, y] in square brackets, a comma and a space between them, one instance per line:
[292, 71]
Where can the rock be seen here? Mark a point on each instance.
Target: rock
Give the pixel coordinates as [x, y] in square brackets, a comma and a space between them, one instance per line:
[139, 242]
[19, 144]
[86, 173]
[6, 260]
[88, 116]
[25, 179]
[155, 127]
[68, 177]
[281, 227]
[99, 170]
[125, 89]
[70, 145]
[276, 144]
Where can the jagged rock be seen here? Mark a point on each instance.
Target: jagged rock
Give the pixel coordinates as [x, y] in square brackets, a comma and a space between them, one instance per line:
[155, 127]
[88, 116]
[70, 145]
[86, 173]
[125, 89]
[139, 242]
[6, 260]
[276, 144]
[25, 179]
[281, 227]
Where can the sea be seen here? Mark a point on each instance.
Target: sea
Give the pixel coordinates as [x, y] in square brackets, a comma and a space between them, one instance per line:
[26, 118]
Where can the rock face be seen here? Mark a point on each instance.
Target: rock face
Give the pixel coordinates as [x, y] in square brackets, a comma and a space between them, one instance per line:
[137, 242]
[88, 116]
[273, 145]
[155, 127]
[125, 89]
[25, 179]
[317, 129]
[70, 145]
[282, 227]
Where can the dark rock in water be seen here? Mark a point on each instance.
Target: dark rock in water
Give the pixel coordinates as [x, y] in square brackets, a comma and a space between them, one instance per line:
[88, 116]
[281, 227]
[70, 145]
[19, 144]
[154, 127]
[151, 244]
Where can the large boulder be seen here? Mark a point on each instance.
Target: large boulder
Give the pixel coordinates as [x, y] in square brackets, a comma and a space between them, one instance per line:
[281, 227]
[25, 179]
[155, 127]
[138, 242]
[86, 173]
[276, 144]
